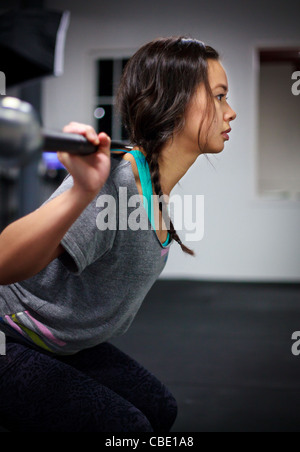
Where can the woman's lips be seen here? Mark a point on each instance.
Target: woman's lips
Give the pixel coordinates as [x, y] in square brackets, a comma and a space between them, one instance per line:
[225, 134]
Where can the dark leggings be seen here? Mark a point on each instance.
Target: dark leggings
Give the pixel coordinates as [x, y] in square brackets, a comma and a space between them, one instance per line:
[97, 390]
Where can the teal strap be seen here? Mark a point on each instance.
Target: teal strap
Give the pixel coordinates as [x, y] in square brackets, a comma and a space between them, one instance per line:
[146, 183]
[145, 178]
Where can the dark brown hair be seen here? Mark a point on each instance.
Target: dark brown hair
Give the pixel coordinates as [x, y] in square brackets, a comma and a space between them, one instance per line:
[156, 87]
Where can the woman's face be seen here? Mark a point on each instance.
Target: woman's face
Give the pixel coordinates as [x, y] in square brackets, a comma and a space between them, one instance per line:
[214, 132]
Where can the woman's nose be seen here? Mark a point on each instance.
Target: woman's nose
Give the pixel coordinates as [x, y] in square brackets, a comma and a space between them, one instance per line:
[230, 114]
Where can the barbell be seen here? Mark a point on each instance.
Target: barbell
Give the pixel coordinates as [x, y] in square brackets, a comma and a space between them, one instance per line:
[22, 138]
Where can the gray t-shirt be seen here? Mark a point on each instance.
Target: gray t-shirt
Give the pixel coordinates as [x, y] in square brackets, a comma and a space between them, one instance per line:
[94, 290]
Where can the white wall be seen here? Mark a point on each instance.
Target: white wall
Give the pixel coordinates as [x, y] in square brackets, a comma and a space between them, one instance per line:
[245, 238]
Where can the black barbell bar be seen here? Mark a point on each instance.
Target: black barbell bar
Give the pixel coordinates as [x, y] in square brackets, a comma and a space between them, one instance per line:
[22, 138]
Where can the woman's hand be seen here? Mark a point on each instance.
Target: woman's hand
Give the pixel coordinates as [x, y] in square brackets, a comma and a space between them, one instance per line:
[29, 244]
[89, 172]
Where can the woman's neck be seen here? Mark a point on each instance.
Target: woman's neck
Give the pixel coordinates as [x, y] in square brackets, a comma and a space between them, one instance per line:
[174, 162]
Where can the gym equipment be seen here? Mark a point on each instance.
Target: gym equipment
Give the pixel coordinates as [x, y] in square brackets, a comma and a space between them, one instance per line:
[32, 42]
[22, 138]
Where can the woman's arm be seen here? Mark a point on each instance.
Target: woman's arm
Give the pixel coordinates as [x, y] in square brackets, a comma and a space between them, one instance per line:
[29, 244]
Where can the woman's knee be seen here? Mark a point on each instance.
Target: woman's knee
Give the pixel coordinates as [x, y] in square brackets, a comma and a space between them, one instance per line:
[130, 420]
[168, 411]
[160, 407]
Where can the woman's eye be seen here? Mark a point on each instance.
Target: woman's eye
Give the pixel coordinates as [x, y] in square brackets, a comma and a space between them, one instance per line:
[220, 97]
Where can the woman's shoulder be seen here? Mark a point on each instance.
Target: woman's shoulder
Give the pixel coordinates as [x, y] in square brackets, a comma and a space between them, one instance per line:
[123, 166]
[125, 173]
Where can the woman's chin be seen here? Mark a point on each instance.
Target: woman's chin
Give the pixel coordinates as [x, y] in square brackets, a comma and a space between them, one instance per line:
[215, 150]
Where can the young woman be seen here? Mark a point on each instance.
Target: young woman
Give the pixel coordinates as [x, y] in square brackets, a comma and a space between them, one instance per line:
[68, 285]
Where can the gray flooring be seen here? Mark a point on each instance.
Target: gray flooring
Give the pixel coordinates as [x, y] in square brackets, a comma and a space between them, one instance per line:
[224, 350]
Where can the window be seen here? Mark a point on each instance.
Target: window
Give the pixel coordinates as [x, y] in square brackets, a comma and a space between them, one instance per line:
[109, 71]
[278, 160]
